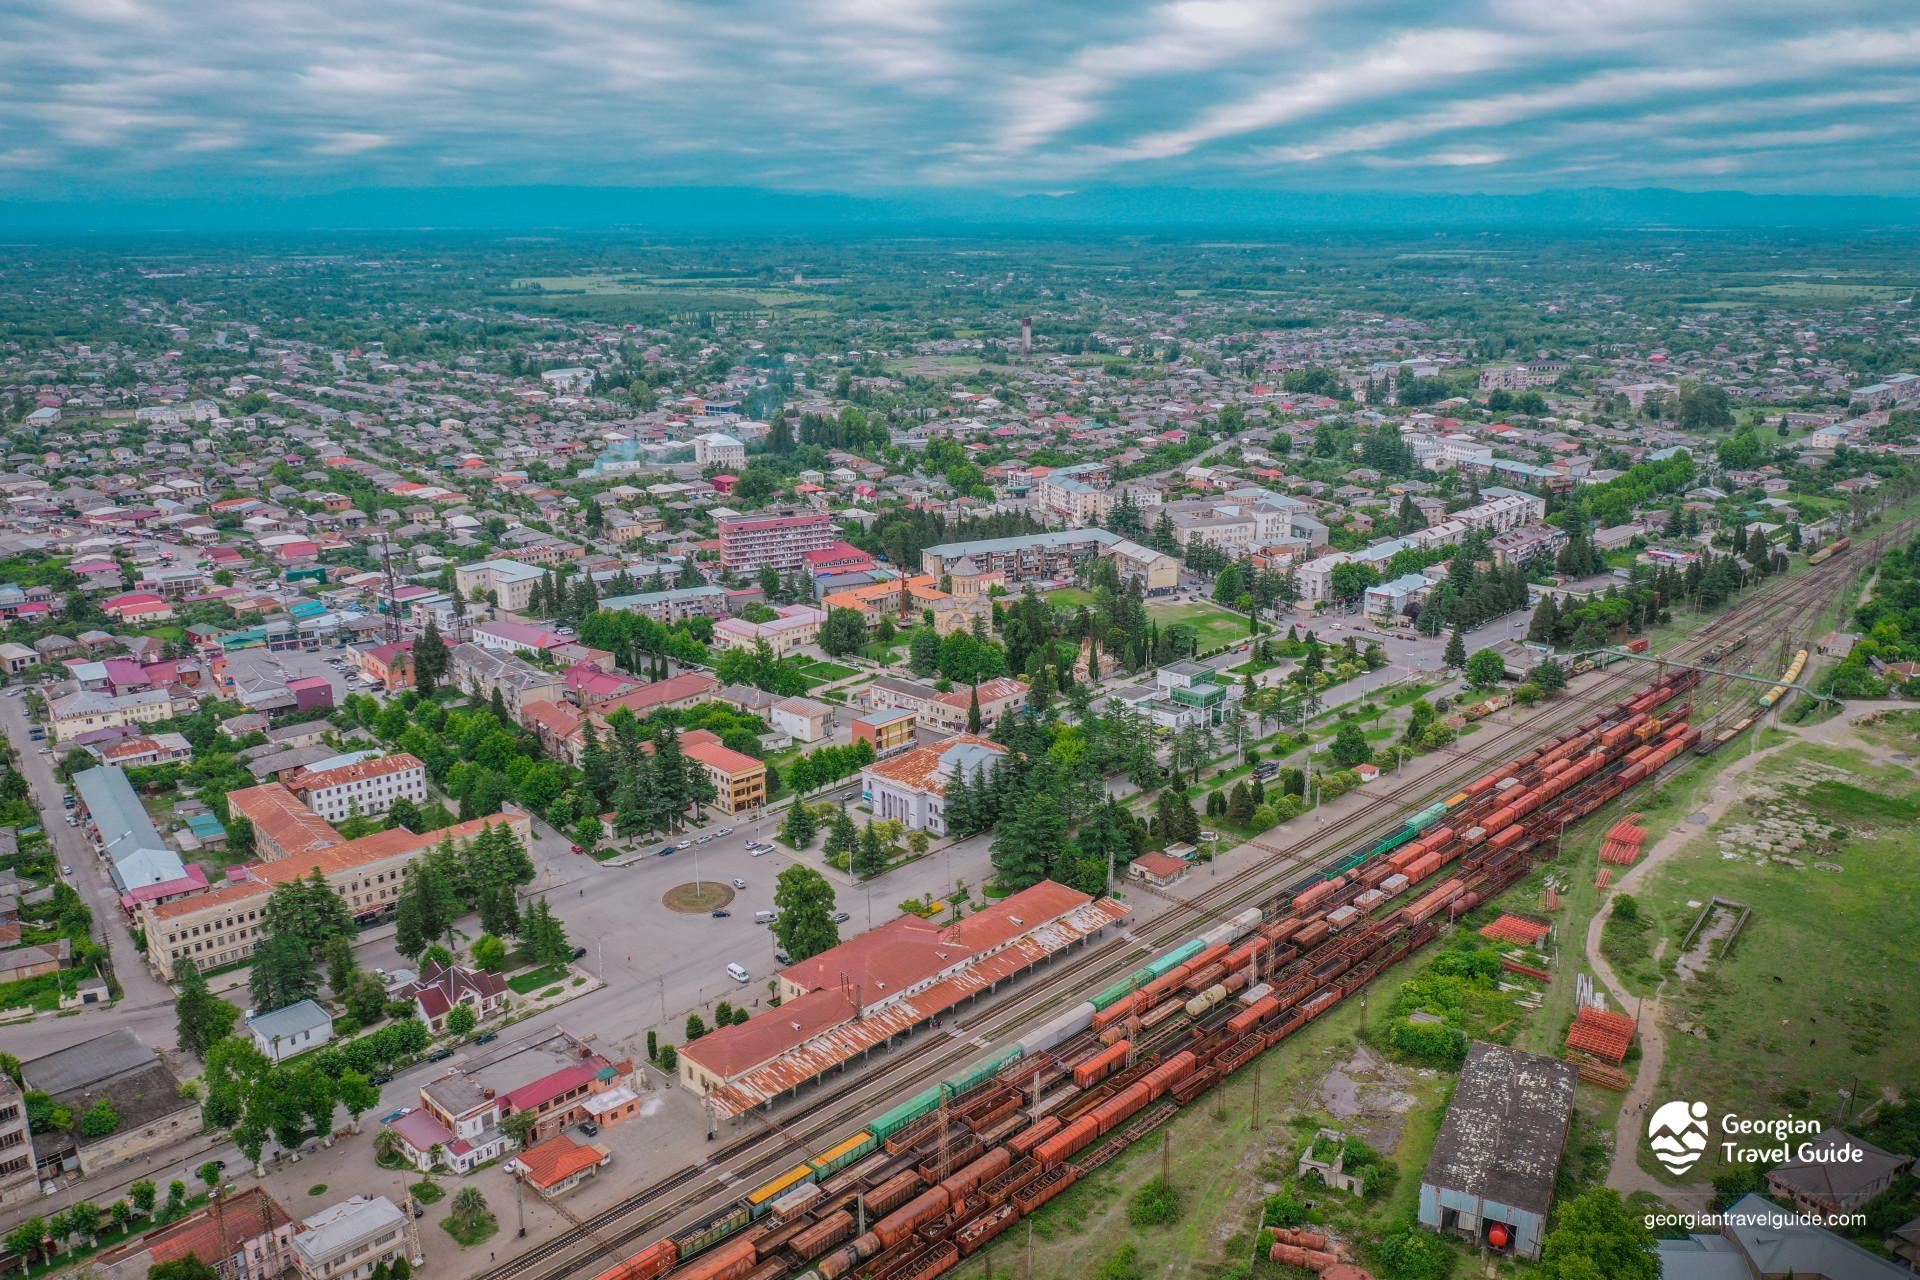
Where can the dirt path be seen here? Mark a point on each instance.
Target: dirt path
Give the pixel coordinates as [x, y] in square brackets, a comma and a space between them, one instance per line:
[1626, 1175]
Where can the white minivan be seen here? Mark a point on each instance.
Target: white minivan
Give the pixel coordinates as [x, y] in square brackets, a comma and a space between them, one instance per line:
[765, 917]
[738, 974]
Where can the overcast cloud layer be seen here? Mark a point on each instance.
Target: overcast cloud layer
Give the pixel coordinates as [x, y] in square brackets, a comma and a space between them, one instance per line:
[118, 98]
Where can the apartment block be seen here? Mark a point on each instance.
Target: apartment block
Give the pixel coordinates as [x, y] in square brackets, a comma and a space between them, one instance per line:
[749, 543]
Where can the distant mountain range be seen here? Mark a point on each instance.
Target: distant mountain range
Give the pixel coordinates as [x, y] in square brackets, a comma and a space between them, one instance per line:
[1138, 210]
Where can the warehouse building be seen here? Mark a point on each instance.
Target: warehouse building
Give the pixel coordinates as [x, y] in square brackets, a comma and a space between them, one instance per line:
[1491, 1176]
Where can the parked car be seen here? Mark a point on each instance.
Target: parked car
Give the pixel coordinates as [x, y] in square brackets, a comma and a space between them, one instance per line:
[724, 831]
[783, 958]
[379, 1078]
[664, 850]
[439, 1055]
[841, 917]
[589, 1128]
[65, 870]
[576, 848]
[578, 952]
[400, 1114]
[486, 1037]
[683, 844]
[762, 851]
[703, 840]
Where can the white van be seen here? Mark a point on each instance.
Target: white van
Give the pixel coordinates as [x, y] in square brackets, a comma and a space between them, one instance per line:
[738, 974]
[765, 917]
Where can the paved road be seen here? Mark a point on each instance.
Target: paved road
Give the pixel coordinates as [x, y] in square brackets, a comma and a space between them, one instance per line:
[75, 850]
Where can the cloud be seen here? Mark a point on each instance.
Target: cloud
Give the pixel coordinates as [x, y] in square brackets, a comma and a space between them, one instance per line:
[135, 97]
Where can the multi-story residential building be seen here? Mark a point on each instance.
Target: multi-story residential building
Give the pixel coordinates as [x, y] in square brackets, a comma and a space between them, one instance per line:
[673, 606]
[514, 637]
[388, 665]
[888, 731]
[797, 626]
[282, 825]
[912, 787]
[223, 925]
[1081, 494]
[1527, 544]
[1522, 377]
[347, 1241]
[749, 543]
[1891, 392]
[739, 781]
[87, 710]
[1036, 555]
[717, 449]
[688, 689]
[950, 711]
[509, 582]
[478, 672]
[365, 786]
[1157, 572]
[19, 1184]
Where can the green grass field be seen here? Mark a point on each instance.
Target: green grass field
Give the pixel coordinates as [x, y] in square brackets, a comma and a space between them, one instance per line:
[826, 672]
[1214, 626]
[1070, 598]
[1816, 994]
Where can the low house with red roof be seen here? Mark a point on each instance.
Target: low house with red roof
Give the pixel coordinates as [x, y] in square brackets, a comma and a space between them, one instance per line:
[442, 987]
[137, 606]
[558, 1165]
[243, 1234]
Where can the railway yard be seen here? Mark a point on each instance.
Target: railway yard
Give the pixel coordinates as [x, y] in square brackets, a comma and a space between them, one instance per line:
[1107, 1048]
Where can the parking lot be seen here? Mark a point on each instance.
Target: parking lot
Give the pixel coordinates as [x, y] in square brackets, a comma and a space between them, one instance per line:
[255, 670]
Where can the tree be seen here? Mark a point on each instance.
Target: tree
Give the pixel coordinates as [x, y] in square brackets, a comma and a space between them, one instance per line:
[869, 859]
[461, 1020]
[469, 1209]
[426, 908]
[357, 1094]
[25, 1240]
[489, 953]
[284, 973]
[804, 899]
[924, 652]
[1240, 805]
[100, 1120]
[844, 632]
[405, 813]
[1350, 581]
[842, 840]
[200, 1018]
[799, 828]
[1456, 654]
[973, 710]
[187, 1268]
[1549, 675]
[143, 1193]
[1486, 669]
[430, 657]
[543, 937]
[1350, 748]
[520, 1126]
[340, 964]
[1599, 1236]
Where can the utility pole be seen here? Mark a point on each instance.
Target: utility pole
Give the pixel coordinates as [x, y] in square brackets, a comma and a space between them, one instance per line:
[1256, 1091]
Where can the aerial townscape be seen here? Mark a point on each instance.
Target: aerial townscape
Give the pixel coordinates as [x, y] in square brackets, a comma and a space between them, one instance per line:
[987, 718]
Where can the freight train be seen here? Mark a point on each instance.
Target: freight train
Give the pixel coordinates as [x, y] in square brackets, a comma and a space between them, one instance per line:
[1761, 705]
[936, 1178]
[1829, 551]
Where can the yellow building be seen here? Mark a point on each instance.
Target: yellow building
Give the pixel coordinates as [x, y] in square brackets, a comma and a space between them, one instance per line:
[223, 926]
[739, 781]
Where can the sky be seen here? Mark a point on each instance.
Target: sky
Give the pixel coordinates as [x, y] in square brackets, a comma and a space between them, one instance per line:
[169, 99]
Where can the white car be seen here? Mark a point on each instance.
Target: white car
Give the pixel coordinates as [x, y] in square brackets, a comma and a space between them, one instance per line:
[738, 883]
[684, 844]
[760, 852]
[65, 870]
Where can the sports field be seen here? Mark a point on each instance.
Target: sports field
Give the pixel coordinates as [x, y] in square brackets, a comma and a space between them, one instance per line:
[1214, 626]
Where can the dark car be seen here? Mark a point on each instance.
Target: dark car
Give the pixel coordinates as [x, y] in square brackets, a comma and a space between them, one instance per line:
[439, 1055]
[589, 1128]
[379, 1078]
[722, 914]
[663, 851]
[578, 952]
[486, 1037]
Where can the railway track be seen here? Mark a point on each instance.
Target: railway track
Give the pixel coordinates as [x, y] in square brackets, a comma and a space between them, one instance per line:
[597, 1241]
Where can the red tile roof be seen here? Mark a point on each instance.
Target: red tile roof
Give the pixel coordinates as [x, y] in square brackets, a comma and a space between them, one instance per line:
[557, 1159]
[538, 1093]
